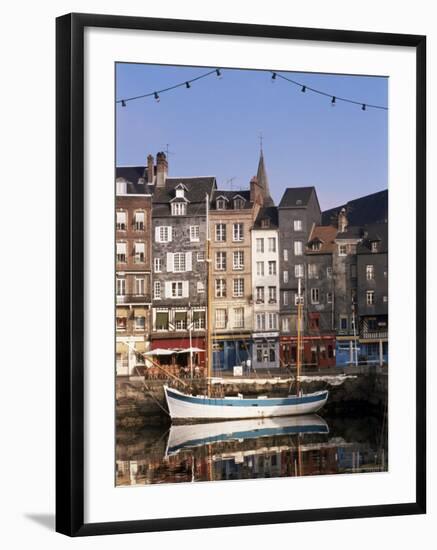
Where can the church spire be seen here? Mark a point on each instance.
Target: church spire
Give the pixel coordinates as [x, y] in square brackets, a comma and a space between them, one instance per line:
[262, 179]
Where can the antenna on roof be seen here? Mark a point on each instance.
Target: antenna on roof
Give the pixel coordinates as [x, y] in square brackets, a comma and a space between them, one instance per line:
[167, 151]
[230, 181]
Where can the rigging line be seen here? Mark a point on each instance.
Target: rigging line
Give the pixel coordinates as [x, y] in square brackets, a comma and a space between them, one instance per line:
[337, 98]
[151, 94]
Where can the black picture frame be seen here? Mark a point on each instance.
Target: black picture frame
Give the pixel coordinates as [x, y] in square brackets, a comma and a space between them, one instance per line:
[70, 273]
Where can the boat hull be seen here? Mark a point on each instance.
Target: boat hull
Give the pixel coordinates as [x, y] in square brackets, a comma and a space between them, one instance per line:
[199, 407]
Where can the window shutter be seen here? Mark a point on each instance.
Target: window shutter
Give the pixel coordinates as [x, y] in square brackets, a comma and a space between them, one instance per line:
[170, 233]
[157, 234]
[170, 262]
[167, 289]
[185, 289]
[188, 261]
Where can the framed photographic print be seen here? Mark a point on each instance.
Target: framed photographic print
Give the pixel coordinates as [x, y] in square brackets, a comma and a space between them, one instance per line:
[240, 274]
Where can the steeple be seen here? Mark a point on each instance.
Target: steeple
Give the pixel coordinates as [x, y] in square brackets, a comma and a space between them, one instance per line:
[263, 181]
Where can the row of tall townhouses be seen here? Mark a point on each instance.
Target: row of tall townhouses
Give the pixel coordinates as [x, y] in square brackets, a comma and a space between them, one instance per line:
[259, 252]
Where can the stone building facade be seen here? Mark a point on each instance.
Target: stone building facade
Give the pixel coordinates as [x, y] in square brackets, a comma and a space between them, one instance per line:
[133, 268]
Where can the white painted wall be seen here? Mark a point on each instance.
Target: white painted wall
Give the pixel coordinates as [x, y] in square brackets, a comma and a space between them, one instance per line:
[28, 147]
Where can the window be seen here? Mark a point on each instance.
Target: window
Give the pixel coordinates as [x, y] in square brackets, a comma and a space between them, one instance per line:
[315, 295]
[121, 221]
[239, 317]
[374, 246]
[259, 294]
[238, 288]
[140, 322]
[161, 320]
[260, 245]
[139, 286]
[260, 321]
[163, 234]
[121, 253]
[342, 250]
[272, 321]
[220, 288]
[198, 320]
[157, 265]
[139, 253]
[285, 276]
[238, 204]
[272, 244]
[272, 295]
[220, 261]
[179, 262]
[179, 209]
[139, 221]
[238, 260]
[316, 245]
[180, 320]
[272, 267]
[260, 269]
[201, 256]
[329, 272]
[298, 248]
[312, 271]
[285, 324]
[370, 297]
[220, 318]
[121, 323]
[313, 321]
[177, 289]
[285, 255]
[343, 322]
[237, 232]
[329, 297]
[265, 223]
[298, 271]
[180, 191]
[221, 204]
[297, 225]
[157, 290]
[285, 298]
[200, 287]
[194, 233]
[370, 272]
[220, 232]
[121, 187]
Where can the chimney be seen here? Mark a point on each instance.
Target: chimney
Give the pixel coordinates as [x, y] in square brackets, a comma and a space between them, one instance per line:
[150, 169]
[342, 221]
[161, 169]
[255, 191]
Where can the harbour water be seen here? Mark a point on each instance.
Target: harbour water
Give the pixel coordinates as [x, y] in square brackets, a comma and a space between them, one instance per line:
[296, 446]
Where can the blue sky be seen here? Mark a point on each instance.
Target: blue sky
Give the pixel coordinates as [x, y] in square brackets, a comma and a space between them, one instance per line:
[213, 128]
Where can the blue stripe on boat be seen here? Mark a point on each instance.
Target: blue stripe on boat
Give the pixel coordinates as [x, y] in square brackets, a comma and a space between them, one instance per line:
[262, 432]
[271, 402]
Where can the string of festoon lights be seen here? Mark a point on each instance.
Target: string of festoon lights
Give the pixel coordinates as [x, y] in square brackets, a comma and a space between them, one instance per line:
[274, 76]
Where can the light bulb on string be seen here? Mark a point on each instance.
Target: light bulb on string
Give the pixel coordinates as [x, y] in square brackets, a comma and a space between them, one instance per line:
[156, 96]
[333, 101]
[304, 89]
[123, 103]
[187, 84]
[273, 78]
[363, 107]
[218, 72]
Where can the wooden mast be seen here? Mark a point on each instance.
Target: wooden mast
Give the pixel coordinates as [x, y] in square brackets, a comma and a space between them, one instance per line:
[208, 301]
[299, 336]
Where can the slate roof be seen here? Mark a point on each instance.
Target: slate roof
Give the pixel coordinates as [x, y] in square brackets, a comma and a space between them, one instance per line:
[374, 232]
[230, 195]
[267, 212]
[295, 197]
[263, 181]
[364, 210]
[326, 235]
[136, 178]
[352, 232]
[197, 189]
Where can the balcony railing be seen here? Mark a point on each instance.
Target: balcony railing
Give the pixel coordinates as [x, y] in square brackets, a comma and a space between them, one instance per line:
[374, 335]
[133, 298]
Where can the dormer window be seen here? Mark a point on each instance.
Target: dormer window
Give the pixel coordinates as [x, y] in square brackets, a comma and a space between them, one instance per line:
[180, 193]
[265, 223]
[121, 186]
[221, 204]
[238, 203]
[179, 209]
[374, 246]
[315, 246]
[298, 202]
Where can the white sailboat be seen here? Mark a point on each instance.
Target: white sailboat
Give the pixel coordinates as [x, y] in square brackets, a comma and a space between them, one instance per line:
[186, 406]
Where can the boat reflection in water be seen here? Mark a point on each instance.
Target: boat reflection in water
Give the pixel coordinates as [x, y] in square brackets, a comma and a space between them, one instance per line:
[251, 449]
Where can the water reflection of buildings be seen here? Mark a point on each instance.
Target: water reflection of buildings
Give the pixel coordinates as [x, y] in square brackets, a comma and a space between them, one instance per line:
[254, 458]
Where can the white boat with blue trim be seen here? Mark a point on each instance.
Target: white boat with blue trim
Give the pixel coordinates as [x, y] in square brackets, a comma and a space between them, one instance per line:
[201, 407]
